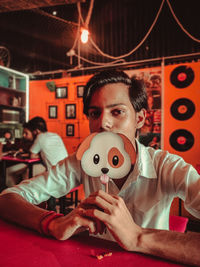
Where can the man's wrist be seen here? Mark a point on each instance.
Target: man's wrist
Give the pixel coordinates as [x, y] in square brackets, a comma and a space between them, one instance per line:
[45, 221]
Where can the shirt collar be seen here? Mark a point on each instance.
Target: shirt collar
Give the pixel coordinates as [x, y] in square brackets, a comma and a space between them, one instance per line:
[144, 165]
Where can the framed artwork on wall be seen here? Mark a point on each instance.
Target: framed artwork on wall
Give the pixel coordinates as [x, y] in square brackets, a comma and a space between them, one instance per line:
[70, 111]
[80, 90]
[53, 112]
[70, 130]
[61, 92]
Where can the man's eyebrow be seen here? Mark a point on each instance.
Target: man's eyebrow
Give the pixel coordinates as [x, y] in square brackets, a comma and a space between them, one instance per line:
[109, 106]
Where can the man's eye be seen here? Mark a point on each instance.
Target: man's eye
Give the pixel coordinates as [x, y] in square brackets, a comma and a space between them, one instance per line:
[94, 114]
[117, 112]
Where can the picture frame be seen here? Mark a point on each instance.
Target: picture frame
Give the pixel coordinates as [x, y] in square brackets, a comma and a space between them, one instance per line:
[53, 112]
[80, 90]
[61, 92]
[70, 111]
[70, 129]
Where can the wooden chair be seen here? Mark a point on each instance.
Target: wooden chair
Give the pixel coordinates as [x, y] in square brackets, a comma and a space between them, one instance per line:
[69, 200]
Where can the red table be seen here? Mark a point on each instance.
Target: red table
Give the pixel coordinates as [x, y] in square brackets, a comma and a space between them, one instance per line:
[7, 160]
[20, 247]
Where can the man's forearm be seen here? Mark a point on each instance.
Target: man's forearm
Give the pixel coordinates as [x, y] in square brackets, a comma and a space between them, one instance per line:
[173, 246]
[16, 209]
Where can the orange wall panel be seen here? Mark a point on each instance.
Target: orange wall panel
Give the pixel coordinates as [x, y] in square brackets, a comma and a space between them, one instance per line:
[40, 98]
[186, 76]
[171, 124]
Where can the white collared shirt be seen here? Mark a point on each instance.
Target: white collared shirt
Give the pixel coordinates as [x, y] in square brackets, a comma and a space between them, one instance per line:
[49, 144]
[158, 177]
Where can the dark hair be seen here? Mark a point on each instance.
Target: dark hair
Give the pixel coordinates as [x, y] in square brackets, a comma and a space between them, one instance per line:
[36, 123]
[137, 92]
[28, 126]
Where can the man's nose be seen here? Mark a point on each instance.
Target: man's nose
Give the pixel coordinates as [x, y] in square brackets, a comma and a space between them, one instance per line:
[106, 122]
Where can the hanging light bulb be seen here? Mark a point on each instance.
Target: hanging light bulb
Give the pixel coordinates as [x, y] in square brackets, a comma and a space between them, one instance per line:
[84, 35]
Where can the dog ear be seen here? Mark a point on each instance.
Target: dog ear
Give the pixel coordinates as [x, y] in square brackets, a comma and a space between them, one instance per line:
[84, 146]
[129, 148]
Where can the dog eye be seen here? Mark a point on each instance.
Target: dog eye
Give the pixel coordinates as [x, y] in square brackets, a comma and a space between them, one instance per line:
[96, 159]
[115, 160]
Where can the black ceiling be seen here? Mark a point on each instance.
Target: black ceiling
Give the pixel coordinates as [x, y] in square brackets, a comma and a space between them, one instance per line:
[10, 5]
[39, 41]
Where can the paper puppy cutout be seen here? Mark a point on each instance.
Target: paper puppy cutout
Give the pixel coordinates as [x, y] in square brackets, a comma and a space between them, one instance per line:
[106, 155]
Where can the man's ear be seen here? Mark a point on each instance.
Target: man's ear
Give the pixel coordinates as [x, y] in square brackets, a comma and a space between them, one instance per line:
[140, 118]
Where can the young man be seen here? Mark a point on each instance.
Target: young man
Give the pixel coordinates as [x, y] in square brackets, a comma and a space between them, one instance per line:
[137, 206]
[46, 144]
[16, 173]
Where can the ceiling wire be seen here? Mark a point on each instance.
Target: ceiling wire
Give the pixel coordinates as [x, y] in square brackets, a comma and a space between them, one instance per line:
[98, 63]
[134, 49]
[116, 59]
[36, 10]
[180, 25]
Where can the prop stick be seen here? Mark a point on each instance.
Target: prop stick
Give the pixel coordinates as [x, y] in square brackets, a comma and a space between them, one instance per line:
[104, 178]
[106, 187]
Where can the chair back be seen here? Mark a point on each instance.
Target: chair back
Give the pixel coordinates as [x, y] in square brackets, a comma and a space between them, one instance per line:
[178, 223]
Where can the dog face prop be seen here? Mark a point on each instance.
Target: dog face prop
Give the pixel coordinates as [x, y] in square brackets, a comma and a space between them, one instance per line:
[106, 155]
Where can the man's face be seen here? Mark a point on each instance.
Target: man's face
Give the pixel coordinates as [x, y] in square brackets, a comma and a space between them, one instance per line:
[110, 109]
[27, 134]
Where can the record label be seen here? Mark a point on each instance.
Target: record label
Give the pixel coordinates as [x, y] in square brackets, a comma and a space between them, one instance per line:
[182, 76]
[181, 140]
[182, 109]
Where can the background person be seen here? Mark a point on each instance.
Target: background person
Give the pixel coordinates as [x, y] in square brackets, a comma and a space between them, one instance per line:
[49, 146]
[21, 149]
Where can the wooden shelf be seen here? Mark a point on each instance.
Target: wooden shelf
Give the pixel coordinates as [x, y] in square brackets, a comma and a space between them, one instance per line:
[10, 90]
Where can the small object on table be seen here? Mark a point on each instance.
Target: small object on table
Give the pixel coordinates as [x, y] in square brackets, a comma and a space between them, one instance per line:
[100, 256]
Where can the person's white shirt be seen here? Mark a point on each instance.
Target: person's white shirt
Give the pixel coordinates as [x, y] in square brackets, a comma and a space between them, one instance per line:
[158, 177]
[51, 148]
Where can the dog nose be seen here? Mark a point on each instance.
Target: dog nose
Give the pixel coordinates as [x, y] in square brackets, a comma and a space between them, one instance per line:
[105, 170]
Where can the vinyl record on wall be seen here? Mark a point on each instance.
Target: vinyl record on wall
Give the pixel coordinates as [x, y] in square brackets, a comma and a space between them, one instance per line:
[182, 76]
[182, 109]
[181, 140]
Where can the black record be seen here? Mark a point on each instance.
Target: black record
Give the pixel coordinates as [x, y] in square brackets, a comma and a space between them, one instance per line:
[182, 109]
[182, 76]
[181, 140]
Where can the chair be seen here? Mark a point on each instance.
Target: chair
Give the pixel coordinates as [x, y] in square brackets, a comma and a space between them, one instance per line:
[65, 202]
[178, 223]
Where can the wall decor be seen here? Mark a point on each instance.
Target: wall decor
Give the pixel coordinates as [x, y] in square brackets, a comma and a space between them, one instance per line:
[70, 111]
[61, 92]
[53, 112]
[80, 90]
[70, 130]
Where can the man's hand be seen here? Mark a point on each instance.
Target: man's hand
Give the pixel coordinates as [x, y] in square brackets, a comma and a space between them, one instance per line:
[64, 227]
[113, 212]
